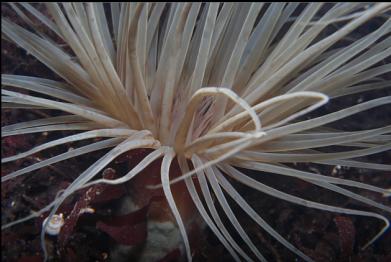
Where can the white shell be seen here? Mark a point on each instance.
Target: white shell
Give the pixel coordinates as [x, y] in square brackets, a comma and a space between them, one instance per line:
[54, 225]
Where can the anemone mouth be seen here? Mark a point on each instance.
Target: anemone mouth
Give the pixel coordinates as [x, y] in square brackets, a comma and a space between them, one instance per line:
[215, 87]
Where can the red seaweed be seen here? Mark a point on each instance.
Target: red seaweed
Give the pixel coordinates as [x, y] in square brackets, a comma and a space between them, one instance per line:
[95, 194]
[347, 234]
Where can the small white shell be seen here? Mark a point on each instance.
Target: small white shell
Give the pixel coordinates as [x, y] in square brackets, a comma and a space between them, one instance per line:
[54, 225]
[87, 210]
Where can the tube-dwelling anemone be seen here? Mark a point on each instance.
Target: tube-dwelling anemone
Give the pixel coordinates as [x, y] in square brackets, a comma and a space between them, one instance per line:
[216, 88]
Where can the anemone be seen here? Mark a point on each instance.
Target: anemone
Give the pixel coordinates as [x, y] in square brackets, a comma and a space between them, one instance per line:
[218, 87]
